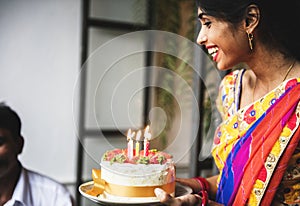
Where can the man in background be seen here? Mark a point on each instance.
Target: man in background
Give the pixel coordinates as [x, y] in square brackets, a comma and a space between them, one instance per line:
[18, 185]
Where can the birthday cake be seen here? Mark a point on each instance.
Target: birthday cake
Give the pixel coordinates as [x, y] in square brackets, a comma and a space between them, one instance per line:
[133, 174]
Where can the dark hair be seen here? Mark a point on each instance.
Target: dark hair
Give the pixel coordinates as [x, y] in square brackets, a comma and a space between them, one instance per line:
[10, 120]
[278, 20]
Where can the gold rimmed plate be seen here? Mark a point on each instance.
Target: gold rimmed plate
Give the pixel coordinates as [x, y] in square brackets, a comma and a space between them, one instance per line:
[180, 190]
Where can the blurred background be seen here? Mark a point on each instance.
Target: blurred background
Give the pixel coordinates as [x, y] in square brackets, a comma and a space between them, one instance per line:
[80, 73]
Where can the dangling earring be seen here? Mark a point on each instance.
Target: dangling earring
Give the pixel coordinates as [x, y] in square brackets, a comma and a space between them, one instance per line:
[250, 39]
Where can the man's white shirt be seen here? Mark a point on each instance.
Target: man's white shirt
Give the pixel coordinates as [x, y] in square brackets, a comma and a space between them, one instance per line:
[34, 189]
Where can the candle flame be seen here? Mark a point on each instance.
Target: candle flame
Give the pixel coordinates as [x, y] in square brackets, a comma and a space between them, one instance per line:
[138, 135]
[147, 134]
[130, 134]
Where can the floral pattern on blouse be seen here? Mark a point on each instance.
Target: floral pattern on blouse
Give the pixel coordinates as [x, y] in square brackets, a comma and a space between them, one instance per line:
[236, 121]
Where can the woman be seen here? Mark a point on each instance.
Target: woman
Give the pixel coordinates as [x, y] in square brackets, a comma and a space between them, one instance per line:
[256, 147]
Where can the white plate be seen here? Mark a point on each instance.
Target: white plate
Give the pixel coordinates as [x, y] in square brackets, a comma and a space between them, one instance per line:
[179, 191]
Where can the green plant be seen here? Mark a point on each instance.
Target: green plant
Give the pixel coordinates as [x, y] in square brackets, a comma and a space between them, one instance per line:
[172, 16]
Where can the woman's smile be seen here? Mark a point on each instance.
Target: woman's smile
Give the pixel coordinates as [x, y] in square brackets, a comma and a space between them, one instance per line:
[213, 51]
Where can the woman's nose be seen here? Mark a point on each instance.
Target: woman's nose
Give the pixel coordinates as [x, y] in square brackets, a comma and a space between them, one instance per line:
[202, 38]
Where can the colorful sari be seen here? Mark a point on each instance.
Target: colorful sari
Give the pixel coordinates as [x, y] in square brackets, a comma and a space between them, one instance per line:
[254, 146]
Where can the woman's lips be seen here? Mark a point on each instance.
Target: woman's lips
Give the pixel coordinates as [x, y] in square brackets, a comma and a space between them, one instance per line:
[213, 51]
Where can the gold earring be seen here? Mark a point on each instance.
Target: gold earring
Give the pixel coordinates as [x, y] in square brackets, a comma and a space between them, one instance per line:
[250, 39]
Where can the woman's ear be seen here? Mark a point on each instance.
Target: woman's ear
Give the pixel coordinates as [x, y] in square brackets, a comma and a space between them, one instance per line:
[252, 18]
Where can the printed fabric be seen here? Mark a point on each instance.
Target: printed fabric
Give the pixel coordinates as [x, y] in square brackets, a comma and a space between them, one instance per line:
[256, 148]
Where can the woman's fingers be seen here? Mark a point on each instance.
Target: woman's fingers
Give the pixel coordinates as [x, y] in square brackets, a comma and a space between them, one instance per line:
[163, 196]
[189, 199]
[178, 201]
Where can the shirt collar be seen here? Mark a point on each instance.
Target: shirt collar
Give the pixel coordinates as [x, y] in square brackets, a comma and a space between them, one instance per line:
[22, 193]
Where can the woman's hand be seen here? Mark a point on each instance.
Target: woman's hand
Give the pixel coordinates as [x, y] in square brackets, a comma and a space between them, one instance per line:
[196, 187]
[192, 183]
[190, 199]
[185, 200]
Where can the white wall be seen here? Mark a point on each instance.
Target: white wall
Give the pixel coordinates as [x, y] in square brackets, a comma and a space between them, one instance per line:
[39, 63]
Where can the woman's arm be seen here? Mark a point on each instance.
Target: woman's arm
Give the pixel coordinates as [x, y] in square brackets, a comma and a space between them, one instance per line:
[196, 187]
[190, 199]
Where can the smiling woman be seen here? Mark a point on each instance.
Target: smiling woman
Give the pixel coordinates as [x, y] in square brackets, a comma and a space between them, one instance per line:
[226, 48]
[256, 147]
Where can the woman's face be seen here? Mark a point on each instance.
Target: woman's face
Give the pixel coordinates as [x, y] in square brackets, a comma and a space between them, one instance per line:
[227, 46]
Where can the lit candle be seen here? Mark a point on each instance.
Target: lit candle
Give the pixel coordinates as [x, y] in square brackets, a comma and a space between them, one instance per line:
[130, 144]
[137, 143]
[147, 137]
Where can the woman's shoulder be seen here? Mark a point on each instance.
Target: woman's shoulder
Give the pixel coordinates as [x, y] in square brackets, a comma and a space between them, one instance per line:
[229, 88]
[230, 78]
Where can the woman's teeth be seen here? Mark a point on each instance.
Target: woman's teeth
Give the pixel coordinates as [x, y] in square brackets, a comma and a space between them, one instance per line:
[213, 51]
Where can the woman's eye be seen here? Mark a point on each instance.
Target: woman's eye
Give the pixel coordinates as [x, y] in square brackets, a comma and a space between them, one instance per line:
[208, 24]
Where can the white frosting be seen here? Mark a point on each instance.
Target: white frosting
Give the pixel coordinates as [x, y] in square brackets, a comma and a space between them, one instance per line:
[137, 174]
